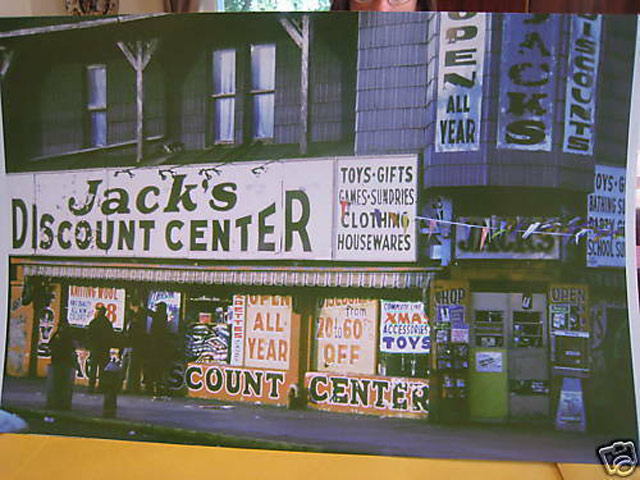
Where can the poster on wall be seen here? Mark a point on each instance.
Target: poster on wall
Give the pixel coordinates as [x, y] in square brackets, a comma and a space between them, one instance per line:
[267, 341]
[489, 362]
[83, 301]
[172, 301]
[404, 327]
[345, 336]
[582, 83]
[606, 210]
[375, 209]
[528, 81]
[460, 81]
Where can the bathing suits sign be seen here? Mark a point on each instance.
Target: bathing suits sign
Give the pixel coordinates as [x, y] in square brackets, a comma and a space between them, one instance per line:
[606, 212]
[236, 211]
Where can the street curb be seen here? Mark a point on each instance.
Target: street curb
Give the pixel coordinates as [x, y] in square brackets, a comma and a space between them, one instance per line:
[165, 434]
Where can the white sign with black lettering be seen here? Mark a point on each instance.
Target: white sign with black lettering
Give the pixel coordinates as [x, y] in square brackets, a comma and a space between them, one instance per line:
[461, 66]
[580, 107]
[606, 213]
[375, 209]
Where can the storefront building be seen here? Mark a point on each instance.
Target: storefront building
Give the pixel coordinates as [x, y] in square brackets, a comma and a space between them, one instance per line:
[378, 218]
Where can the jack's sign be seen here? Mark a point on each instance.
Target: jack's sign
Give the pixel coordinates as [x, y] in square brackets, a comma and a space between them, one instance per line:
[527, 81]
[282, 210]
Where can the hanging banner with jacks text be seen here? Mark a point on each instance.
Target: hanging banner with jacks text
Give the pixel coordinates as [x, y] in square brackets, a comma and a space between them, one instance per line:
[349, 208]
[460, 73]
[527, 81]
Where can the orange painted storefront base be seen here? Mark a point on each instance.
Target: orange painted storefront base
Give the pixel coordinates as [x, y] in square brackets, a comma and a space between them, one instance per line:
[368, 394]
[238, 384]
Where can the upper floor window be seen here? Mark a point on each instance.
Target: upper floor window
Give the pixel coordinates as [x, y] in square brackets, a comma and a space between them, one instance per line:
[263, 84]
[224, 92]
[97, 104]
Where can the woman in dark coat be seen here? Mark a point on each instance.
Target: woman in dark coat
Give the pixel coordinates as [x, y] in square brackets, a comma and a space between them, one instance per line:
[62, 369]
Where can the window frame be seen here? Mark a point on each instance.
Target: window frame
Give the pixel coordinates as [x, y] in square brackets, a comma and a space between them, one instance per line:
[214, 97]
[255, 93]
[92, 110]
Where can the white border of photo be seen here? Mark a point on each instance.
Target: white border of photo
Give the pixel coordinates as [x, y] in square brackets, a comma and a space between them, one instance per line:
[633, 203]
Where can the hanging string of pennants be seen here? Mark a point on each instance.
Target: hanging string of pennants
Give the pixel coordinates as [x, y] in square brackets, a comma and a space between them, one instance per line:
[575, 228]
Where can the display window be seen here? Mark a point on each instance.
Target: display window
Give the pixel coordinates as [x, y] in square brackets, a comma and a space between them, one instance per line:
[370, 356]
[243, 347]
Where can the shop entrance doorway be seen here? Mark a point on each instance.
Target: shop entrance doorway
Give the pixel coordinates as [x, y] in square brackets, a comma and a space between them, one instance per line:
[509, 378]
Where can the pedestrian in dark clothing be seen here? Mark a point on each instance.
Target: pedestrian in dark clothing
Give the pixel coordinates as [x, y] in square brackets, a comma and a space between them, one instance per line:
[100, 337]
[136, 335]
[159, 358]
[62, 369]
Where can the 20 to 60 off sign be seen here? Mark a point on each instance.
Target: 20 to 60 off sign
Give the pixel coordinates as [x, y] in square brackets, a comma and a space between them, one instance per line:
[345, 336]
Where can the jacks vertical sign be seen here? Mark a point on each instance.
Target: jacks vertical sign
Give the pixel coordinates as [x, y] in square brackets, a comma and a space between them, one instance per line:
[584, 56]
[527, 81]
[461, 66]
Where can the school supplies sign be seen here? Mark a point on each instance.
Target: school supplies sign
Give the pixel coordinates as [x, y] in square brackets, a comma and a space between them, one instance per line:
[404, 327]
[606, 207]
[280, 210]
[460, 73]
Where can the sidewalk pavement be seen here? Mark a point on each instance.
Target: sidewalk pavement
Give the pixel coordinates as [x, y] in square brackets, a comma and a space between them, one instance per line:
[308, 430]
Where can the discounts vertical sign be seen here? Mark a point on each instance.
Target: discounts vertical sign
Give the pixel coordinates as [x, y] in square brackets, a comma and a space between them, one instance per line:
[580, 107]
[345, 336]
[460, 70]
[605, 246]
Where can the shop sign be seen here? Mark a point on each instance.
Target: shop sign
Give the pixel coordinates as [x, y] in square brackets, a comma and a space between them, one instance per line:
[268, 332]
[287, 210]
[237, 384]
[237, 330]
[345, 335]
[527, 81]
[606, 209]
[460, 74]
[375, 208]
[83, 301]
[404, 327]
[582, 79]
[389, 396]
[506, 245]
[489, 362]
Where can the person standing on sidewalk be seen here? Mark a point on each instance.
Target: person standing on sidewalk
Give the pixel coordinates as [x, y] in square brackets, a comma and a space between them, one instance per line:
[61, 372]
[100, 336]
[159, 355]
[136, 337]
